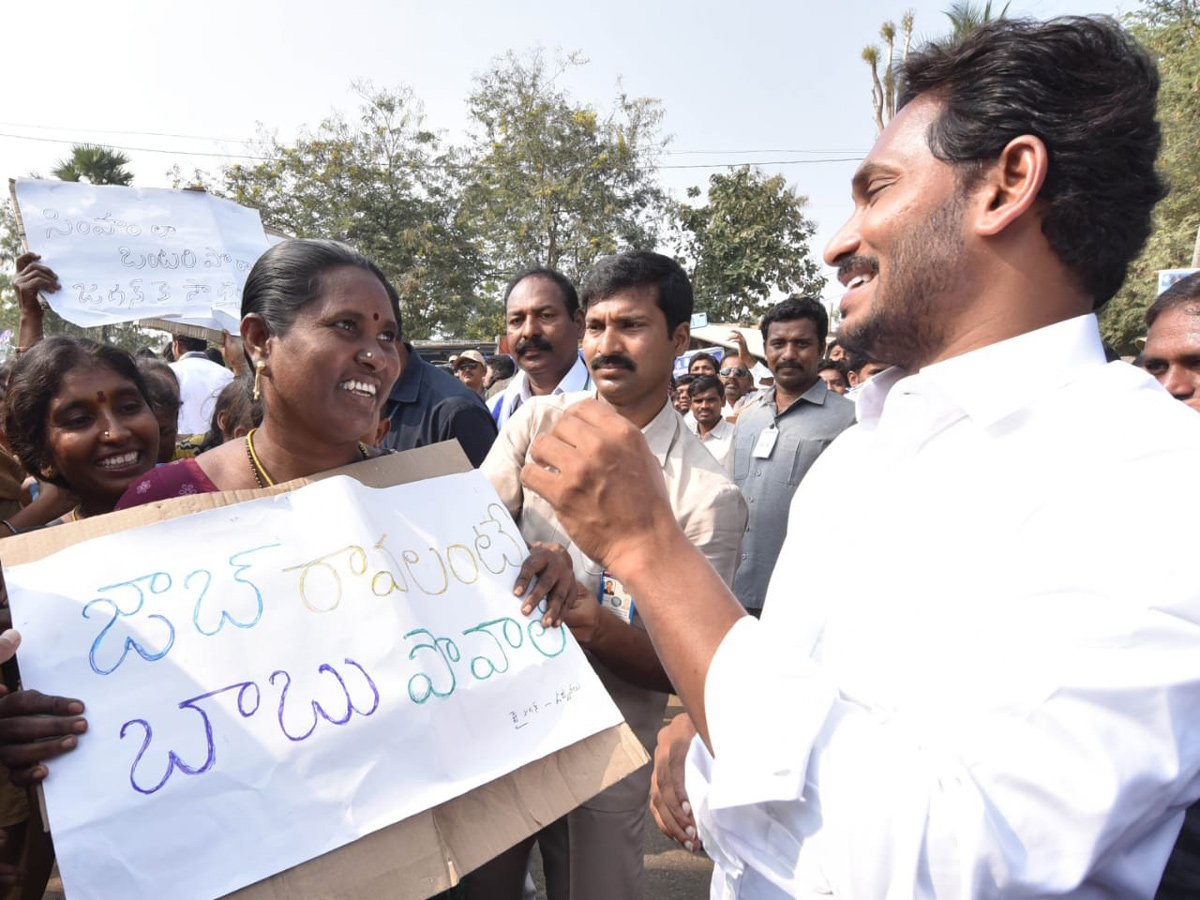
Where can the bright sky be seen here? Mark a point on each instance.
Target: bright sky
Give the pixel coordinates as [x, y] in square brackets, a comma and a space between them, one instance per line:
[744, 81]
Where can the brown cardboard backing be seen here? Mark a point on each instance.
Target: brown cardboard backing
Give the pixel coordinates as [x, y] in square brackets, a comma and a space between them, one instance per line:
[182, 328]
[431, 851]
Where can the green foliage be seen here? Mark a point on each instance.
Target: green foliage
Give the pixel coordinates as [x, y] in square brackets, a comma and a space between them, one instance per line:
[385, 185]
[555, 183]
[749, 239]
[1170, 29]
[95, 164]
[966, 16]
[10, 249]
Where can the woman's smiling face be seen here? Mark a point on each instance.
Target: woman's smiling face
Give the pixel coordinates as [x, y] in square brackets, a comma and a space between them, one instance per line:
[100, 434]
[334, 366]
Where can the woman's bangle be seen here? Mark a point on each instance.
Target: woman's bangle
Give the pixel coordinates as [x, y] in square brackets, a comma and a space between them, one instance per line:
[10, 526]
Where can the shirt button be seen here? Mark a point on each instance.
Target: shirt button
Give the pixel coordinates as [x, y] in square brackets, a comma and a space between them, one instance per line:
[743, 556]
[758, 471]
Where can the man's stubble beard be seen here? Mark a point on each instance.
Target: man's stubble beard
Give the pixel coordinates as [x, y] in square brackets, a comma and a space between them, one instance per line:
[903, 326]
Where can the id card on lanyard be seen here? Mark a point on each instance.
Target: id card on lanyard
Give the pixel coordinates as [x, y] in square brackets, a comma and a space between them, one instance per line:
[613, 597]
[765, 443]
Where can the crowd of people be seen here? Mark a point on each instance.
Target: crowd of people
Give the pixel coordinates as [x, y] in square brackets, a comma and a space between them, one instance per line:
[994, 691]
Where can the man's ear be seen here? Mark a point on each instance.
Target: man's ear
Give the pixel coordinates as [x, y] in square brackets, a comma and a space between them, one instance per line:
[579, 322]
[1010, 186]
[682, 337]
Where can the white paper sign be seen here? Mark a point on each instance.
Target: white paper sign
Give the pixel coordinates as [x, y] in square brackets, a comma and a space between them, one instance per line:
[124, 253]
[269, 681]
[1167, 277]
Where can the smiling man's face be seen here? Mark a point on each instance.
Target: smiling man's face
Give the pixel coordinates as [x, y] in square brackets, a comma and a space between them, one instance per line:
[900, 255]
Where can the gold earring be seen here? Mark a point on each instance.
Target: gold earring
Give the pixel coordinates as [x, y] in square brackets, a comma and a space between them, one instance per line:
[258, 370]
[47, 472]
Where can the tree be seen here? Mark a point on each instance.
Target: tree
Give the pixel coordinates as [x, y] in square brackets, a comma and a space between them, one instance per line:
[388, 187]
[1170, 29]
[750, 238]
[966, 16]
[94, 164]
[553, 182]
[883, 87]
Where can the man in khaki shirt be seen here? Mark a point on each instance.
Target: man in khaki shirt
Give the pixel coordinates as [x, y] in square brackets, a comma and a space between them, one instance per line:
[638, 308]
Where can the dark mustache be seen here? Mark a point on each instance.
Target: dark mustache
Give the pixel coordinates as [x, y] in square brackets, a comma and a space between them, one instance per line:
[858, 264]
[533, 342]
[616, 360]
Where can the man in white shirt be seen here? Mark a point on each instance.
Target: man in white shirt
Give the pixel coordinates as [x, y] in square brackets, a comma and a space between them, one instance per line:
[1008, 702]
[200, 380]
[707, 399]
[737, 374]
[544, 324]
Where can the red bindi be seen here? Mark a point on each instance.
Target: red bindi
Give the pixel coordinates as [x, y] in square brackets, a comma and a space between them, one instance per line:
[376, 317]
[101, 397]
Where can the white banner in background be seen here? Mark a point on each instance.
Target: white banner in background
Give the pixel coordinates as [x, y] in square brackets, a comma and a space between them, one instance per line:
[124, 253]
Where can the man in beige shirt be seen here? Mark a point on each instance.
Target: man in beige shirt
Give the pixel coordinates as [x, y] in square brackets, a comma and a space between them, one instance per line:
[638, 308]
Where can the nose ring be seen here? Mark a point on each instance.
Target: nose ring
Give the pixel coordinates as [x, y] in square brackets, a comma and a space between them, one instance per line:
[106, 434]
[370, 354]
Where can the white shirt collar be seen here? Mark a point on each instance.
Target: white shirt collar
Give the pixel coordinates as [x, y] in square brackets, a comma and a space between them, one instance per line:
[662, 430]
[995, 381]
[578, 378]
[716, 433]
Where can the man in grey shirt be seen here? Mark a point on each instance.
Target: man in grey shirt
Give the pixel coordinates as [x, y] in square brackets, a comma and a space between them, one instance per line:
[780, 437]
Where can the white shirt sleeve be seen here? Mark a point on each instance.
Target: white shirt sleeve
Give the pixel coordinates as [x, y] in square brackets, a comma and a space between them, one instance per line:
[806, 791]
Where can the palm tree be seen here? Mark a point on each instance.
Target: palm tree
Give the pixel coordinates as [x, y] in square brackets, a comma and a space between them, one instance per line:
[966, 16]
[94, 164]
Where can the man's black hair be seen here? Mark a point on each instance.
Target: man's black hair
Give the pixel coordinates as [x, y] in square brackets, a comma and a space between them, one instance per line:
[699, 356]
[503, 366]
[837, 365]
[797, 308]
[639, 268]
[1087, 90]
[191, 344]
[1183, 293]
[702, 384]
[856, 359]
[570, 297]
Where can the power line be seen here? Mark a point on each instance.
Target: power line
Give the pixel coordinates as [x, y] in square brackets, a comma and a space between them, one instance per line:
[742, 152]
[763, 162]
[194, 137]
[720, 165]
[219, 140]
[26, 137]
